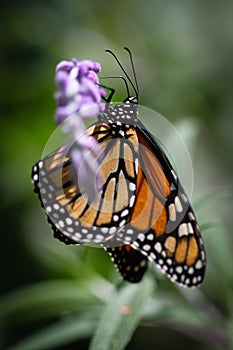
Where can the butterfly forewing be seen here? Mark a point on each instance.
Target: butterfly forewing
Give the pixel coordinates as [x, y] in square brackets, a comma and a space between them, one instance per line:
[68, 207]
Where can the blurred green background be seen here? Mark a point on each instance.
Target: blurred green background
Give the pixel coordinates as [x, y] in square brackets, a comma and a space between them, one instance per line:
[53, 296]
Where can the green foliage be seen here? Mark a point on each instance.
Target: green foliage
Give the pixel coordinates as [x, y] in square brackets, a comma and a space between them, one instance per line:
[121, 317]
[45, 300]
[54, 296]
[58, 334]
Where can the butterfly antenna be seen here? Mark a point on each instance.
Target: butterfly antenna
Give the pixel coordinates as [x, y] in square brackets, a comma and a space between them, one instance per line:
[133, 68]
[124, 71]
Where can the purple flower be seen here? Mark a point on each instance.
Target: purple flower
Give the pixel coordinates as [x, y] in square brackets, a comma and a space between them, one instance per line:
[79, 98]
[78, 89]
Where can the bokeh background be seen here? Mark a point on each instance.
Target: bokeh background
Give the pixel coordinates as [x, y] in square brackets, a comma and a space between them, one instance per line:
[53, 296]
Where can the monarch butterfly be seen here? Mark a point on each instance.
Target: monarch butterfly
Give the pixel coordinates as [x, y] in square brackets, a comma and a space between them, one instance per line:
[142, 212]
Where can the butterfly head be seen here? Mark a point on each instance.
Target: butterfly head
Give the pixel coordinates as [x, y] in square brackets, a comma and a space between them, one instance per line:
[124, 112]
[132, 99]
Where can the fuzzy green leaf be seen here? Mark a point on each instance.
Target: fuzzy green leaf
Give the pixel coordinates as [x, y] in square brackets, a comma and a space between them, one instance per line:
[44, 300]
[121, 317]
[58, 334]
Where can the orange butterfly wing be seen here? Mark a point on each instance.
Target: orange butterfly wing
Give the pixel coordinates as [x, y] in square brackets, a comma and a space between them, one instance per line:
[70, 212]
[169, 235]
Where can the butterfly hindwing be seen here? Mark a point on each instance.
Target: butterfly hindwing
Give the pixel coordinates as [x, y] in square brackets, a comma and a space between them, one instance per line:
[172, 237]
[130, 262]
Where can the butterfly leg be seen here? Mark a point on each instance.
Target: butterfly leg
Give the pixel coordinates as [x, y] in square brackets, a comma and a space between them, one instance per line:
[110, 96]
